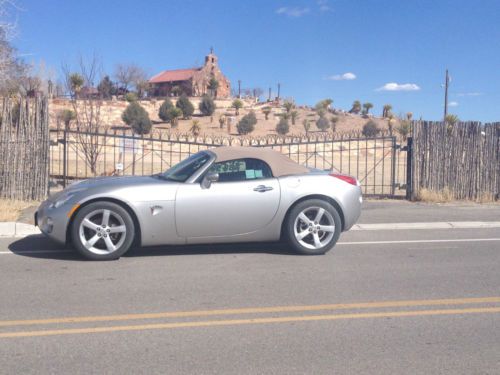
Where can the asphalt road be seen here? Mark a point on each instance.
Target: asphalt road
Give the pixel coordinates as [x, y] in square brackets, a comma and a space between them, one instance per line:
[412, 302]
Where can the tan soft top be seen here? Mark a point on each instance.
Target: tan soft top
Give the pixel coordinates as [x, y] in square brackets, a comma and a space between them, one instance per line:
[280, 164]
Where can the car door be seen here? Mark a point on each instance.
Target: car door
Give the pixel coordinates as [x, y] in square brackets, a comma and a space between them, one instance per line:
[244, 199]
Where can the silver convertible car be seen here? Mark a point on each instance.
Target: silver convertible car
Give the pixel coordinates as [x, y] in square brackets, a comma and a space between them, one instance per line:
[225, 194]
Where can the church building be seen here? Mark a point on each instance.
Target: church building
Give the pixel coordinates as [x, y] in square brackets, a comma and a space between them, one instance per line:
[192, 82]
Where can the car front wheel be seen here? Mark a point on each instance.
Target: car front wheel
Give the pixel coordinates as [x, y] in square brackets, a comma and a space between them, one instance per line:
[102, 231]
[313, 227]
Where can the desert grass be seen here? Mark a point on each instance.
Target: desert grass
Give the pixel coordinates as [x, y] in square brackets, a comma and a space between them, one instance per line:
[10, 210]
[446, 195]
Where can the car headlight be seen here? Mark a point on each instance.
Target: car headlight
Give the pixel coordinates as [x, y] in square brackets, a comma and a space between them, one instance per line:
[65, 197]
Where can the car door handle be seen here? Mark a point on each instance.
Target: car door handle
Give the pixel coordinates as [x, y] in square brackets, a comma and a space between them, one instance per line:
[262, 188]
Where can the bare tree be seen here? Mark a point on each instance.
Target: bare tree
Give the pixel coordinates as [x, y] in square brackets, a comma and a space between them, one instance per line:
[87, 108]
[131, 76]
[36, 79]
[11, 67]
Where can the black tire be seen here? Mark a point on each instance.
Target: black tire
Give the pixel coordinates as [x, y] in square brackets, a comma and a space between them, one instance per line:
[327, 243]
[118, 218]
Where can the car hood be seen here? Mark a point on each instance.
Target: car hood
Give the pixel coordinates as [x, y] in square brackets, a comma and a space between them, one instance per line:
[105, 183]
[115, 181]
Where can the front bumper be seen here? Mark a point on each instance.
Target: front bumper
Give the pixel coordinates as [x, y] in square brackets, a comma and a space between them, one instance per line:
[52, 222]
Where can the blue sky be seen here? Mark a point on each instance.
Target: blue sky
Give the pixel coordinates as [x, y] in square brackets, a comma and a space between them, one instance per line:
[307, 45]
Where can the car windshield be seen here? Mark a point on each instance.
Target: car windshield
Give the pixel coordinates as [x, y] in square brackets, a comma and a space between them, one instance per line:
[183, 170]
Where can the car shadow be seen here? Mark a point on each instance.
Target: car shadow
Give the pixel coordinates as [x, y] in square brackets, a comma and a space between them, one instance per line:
[41, 247]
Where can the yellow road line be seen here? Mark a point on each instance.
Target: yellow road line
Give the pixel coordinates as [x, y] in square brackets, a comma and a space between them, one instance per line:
[213, 323]
[256, 310]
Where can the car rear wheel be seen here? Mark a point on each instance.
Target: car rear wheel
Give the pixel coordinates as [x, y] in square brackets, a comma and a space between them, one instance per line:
[313, 227]
[102, 231]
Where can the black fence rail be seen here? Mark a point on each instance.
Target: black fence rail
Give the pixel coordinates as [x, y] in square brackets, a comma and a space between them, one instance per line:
[378, 162]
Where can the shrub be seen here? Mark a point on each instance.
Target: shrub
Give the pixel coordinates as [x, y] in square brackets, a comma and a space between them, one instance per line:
[66, 116]
[237, 105]
[404, 129]
[282, 127]
[174, 113]
[323, 124]
[164, 108]
[370, 129]
[137, 118]
[131, 97]
[185, 106]
[207, 106]
[106, 88]
[247, 123]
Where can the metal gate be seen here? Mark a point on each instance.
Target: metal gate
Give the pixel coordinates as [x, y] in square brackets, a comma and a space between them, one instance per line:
[379, 163]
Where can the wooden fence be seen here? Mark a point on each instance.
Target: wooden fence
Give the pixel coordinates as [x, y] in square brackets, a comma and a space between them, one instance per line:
[24, 148]
[461, 160]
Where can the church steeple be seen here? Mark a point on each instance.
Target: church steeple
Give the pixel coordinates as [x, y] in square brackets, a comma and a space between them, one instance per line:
[211, 58]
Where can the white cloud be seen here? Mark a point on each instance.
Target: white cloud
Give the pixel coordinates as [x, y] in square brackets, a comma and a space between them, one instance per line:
[343, 77]
[393, 86]
[294, 12]
[470, 94]
[323, 6]
[453, 104]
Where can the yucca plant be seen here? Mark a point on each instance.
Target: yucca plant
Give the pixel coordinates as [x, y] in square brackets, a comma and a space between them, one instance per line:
[307, 125]
[195, 128]
[222, 121]
[288, 105]
[266, 111]
[386, 111]
[356, 107]
[367, 107]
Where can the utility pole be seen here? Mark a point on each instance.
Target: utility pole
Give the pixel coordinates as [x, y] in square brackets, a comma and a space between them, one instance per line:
[239, 89]
[279, 89]
[446, 84]
[269, 95]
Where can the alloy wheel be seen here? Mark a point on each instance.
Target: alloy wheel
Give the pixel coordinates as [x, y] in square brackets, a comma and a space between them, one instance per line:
[314, 227]
[102, 231]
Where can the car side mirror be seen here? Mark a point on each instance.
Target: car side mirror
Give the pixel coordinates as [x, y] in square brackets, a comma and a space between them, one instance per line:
[209, 179]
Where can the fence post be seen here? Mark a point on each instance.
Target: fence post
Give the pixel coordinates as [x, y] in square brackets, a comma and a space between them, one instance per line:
[409, 174]
[393, 167]
[65, 161]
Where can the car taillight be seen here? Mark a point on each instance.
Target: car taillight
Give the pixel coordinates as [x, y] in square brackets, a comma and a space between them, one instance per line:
[344, 177]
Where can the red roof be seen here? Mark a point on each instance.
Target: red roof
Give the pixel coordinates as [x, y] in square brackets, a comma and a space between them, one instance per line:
[174, 75]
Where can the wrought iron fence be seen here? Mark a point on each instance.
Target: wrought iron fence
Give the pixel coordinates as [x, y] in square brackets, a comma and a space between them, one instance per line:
[379, 163]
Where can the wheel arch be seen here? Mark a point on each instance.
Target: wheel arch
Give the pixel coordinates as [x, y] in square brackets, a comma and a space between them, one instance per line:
[330, 200]
[125, 206]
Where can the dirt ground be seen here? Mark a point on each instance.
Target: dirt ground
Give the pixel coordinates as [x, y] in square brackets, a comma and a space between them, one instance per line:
[346, 123]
